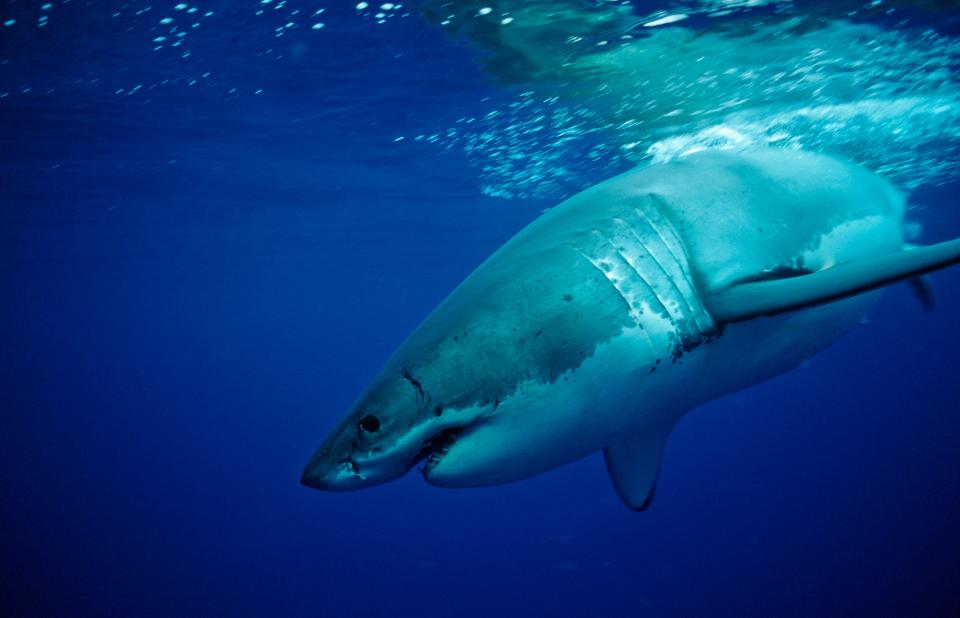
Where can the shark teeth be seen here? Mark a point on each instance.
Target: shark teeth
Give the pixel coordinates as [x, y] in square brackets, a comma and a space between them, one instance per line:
[434, 449]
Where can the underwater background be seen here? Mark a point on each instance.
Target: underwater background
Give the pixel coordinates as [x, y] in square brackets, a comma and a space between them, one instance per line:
[218, 219]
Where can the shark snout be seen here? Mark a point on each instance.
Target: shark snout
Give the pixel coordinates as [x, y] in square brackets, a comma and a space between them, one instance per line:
[319, 473]
[343, 474]
[330, 474]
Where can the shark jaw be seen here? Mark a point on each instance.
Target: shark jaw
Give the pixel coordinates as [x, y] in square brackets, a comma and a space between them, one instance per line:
[427, 443]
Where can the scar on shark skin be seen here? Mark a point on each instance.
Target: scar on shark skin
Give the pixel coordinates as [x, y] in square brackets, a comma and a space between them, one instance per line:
[415, 382]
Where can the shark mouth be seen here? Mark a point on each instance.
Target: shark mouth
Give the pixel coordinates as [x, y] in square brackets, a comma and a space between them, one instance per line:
[435, 448]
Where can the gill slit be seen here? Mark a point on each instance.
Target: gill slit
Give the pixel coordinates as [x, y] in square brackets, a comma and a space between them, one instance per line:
[630, 309]
[636, 271]
[672, 245]
[675, 247]
[685, 310]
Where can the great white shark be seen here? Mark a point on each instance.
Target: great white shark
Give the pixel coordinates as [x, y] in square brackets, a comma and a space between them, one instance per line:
[608, 318]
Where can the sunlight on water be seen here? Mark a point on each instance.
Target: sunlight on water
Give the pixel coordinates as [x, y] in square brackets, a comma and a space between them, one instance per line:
[160, 46]
[596, 85]
[528, 148]
[894, 136]
[886, 96]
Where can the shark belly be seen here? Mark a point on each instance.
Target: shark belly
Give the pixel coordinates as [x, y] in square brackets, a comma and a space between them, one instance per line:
[618, 391]
[752, 352]
[630, 385]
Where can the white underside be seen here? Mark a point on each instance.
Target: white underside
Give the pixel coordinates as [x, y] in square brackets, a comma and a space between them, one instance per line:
[542, 426]
[613, 395]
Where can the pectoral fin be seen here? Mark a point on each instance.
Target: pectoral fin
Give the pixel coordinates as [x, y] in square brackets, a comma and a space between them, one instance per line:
[634, 466]
[746, 301]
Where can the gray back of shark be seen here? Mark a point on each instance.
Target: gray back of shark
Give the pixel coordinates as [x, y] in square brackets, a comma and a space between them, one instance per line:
[608, 318]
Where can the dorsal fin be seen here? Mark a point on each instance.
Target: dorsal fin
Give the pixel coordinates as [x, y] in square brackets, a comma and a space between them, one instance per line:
[765, 298]
[634, 465]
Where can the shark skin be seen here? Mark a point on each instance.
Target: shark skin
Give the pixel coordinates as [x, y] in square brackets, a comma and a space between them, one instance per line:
[592, 328]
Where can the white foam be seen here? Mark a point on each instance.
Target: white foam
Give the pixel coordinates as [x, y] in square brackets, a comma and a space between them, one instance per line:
[884, 97]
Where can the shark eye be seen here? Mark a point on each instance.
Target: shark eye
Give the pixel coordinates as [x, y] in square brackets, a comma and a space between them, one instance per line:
[370, 423]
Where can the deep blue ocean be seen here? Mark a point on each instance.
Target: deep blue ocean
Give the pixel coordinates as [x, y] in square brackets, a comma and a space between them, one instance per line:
[211, 241]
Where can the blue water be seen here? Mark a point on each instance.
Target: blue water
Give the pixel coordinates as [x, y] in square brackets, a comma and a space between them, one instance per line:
[205, 257]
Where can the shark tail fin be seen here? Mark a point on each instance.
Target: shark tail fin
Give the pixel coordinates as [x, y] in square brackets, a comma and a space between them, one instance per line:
[746, 301]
